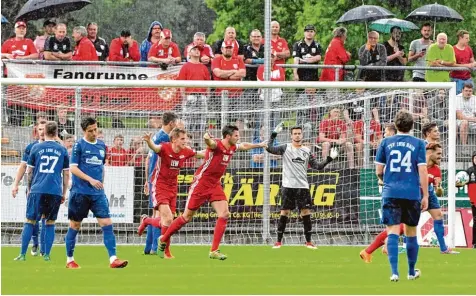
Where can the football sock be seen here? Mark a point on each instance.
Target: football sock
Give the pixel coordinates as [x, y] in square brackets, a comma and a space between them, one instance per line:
[220, 228]
[306, 221]
[164, 230]
[26, 237]
[148, 239]
[156, 233]
[70, 241]
[440, 234]
[412, 253]
[34, 235]
[377, 243]
[173, 228]
[49, 237]
[155, 222]
[392, 247]
[109, 240]
[282, 226]
[43, 236]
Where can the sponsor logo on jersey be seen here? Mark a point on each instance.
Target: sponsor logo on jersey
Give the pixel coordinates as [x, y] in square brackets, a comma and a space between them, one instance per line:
[94, 160]
[298, 160]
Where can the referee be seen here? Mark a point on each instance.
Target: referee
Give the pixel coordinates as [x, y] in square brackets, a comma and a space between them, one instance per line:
[295, 191]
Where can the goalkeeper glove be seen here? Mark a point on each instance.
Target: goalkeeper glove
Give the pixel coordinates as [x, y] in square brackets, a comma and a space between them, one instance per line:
[278, 128]
[334, 153]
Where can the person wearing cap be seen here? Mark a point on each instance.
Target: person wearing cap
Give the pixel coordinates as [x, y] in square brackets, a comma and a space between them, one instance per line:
[165, 51]
[153, 37]
[206, 51]
[48, 30]
[195, 98]
[58, 47]
[102, 48]
[230, 36]
[124, 48]
[279, 44]
[84, 49]
[19, 47]
[336, 54]
[307, 51]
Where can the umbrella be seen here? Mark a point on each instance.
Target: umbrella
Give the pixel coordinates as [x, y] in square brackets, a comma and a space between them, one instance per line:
[384, 25]
[4, 20]
[364, 13]
[436, 13]
[38, 9]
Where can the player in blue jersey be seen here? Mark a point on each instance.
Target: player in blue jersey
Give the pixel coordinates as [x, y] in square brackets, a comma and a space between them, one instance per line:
[87, 193]
[40, 130]
[46, 164]
[401, 165]
[152, 166]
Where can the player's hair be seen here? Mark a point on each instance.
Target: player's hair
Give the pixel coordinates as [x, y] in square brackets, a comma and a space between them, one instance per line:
[229, 130]
[433, 146]
[404, 121]
[68, 136]
[175, 133]
[169, 117]
[427, 127]
[461, 33]
[118, 136]
[51, 129]
[391, 127]
[87, 121]
[295, 128]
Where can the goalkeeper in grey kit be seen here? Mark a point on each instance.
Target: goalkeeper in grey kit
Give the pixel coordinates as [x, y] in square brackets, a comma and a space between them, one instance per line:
[295, 187]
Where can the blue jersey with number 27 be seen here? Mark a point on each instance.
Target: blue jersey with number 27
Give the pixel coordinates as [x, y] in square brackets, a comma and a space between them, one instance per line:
[401, 155]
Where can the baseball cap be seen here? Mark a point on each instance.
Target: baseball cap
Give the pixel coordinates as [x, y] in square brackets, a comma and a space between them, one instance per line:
[166, 33]
[19, 24]
[49, 22]
[227, 43]
[309, 28]
[192, 47]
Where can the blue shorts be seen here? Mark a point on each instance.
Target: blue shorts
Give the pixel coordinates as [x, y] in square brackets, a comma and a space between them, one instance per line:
[80, 204]
[433, 202]
[399, 210]
[39, 204]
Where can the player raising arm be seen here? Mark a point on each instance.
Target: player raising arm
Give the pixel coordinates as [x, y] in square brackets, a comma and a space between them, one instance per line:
[172, 157]
[401, 165]
[295, 191]
[206, 187]
[47, 164]
[87, 193]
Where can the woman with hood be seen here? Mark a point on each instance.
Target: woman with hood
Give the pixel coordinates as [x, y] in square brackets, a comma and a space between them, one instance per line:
[153, 37]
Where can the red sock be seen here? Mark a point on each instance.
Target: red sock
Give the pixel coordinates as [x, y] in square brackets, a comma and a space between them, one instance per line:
[377, 243]
[220, 228]
[153, 221]
[164, 230]
[173, 228]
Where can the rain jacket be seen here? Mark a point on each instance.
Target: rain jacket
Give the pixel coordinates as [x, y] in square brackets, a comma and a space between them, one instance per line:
[146, 44]
[472, 180]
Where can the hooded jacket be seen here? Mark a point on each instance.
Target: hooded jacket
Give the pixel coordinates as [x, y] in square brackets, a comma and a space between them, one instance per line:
[146, 44]
[472, 180]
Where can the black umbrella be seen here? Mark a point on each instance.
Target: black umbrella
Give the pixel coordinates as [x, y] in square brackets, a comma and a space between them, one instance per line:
[38, 9]
[365, 13]
[436, 13]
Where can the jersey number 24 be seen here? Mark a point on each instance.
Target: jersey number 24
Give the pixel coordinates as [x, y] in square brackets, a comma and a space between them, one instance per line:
[398, 162]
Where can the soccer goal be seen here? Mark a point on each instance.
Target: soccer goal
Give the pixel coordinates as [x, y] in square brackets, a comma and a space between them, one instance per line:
[351, 116]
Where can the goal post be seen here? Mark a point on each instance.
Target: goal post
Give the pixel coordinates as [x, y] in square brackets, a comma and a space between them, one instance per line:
[345, 194]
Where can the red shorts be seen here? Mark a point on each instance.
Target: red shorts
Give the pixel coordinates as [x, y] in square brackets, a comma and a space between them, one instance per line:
[165, 196]
[198, 195]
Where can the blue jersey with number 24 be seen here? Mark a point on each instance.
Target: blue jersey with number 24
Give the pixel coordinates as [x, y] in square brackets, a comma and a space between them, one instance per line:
[401, 155]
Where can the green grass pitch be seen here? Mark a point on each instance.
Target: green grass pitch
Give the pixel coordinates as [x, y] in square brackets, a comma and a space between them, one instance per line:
[248, 270]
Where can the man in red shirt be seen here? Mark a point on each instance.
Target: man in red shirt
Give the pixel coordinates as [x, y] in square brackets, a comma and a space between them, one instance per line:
[206, 51]
[19, 47]
[117, 155]
[375, 138]
[332, 132]
[124, 48]
[84, 50]
[230, 36]
[335, 55]
[195, 98]
[279, 44]
[165, 51]
[464, 58]
[206, 186]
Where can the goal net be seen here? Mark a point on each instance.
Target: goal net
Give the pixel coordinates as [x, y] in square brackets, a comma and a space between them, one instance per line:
[350, 116]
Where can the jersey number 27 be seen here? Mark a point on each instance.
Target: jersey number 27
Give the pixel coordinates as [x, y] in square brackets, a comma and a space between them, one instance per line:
[398, 162]
[48, 164]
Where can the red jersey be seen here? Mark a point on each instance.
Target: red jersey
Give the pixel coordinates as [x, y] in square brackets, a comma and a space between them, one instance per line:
[159, 51]
[170, 164]
[279, 45]
[433, 172]
[333, 129]
[138, 160]
[335, 55]
[277, 73]
[205, 51]
[214, 165]
[375, 129]
[24, 47]
[116, 51]
[234, 63]
[85, 50]
[117, 156]
[192, 71]
[462, 57]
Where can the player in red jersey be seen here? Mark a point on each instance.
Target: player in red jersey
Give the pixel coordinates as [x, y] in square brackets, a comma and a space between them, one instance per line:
[206, 187]
[172, 158]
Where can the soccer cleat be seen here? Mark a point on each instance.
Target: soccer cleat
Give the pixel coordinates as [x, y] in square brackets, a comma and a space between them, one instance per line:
[46, 257]
[72, 265]
[142, 225]
[169, 255]
[366, 256]
[277, 245]
[311, 246]
[20, 258]
[34, 251]
[217, 255]
[394, 278]
[161, 249]
[402, 250]
[414, 277]
[450, 251]
[119, 263]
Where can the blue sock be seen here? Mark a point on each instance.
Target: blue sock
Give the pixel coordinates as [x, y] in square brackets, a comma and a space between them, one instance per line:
[149, 239]
[440, 234]
[26, 237]
[43, 236]
[109, 240]
[156, 234]
[392, 248]
[70, 241]
[49, 237]
[34, 236]
[412, 253]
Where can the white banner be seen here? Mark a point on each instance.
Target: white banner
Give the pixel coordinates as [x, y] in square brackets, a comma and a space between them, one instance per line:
[118, 185]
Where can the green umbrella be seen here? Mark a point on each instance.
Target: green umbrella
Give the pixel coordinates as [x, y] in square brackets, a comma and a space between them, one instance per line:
[384, 25]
